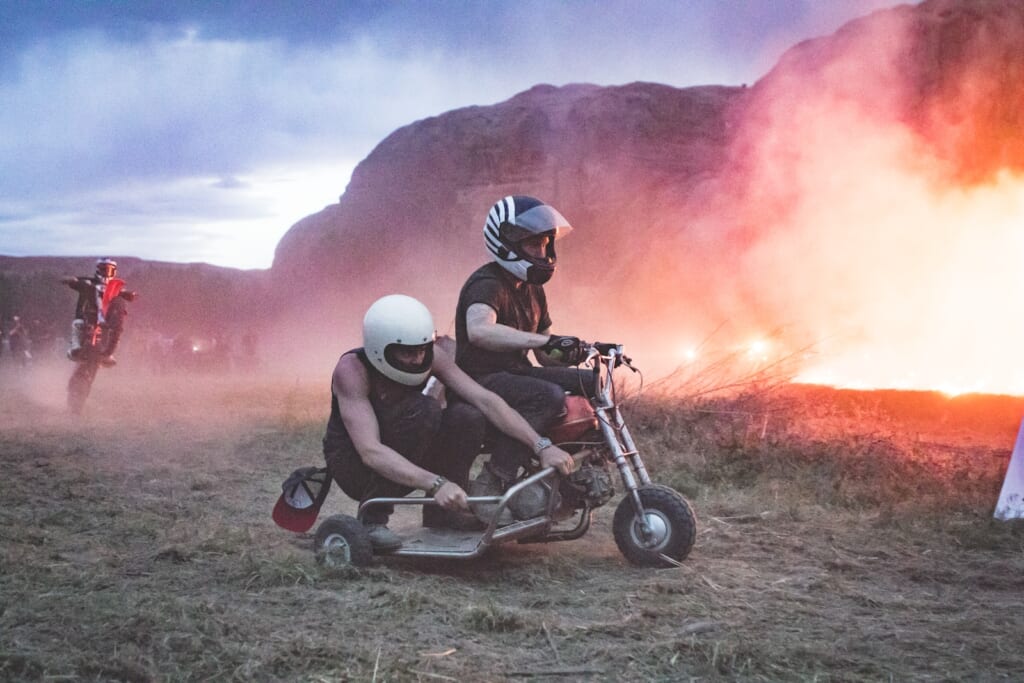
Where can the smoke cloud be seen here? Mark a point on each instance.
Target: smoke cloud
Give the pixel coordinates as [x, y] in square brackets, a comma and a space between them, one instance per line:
[889, 242]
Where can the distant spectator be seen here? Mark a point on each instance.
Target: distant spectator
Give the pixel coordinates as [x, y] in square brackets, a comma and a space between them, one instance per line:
[19, 342]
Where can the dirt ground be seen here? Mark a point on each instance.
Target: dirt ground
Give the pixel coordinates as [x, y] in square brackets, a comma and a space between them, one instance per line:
[842, 536]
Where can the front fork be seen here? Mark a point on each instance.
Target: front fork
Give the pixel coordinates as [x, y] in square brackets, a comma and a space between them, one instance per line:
[626, 457]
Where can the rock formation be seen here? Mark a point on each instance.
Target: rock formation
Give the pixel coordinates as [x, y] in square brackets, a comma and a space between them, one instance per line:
[682, 198]
[669, 187]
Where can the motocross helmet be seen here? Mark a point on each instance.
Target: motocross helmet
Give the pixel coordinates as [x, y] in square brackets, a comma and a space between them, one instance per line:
[514, 219]
[398, 323]
[105, 269]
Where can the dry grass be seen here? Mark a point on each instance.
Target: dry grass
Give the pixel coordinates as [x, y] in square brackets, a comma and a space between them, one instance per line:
[843, 537]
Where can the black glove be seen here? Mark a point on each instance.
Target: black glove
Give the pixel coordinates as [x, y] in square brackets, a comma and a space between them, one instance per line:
[568, 350]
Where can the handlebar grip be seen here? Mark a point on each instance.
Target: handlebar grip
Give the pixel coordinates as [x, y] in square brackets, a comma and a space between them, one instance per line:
[605, 347]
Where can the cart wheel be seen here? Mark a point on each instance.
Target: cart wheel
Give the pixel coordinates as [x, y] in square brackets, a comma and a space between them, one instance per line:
[340, 541]
[672, 528]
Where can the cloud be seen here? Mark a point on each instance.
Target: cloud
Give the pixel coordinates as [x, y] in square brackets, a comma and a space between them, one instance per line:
[90, 111]
[115, 113]
[104, 132]
[234, 222]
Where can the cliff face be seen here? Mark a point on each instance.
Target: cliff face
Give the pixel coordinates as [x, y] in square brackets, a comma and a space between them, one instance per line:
[671, 190]
[611, 159]
[692, 206]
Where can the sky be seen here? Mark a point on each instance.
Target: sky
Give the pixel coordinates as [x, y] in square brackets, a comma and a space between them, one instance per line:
[202, 131]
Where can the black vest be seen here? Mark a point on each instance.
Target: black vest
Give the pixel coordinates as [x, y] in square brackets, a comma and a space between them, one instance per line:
[383, 392]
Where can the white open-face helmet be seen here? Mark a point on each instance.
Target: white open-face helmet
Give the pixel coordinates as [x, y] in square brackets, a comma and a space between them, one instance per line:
[514, 219]
[395, 324]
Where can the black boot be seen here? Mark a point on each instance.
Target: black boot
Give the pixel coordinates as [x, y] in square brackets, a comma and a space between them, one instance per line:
[383, 539]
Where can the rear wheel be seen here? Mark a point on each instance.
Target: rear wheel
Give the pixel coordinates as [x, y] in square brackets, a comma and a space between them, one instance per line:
[80, 384]
[666, 533]
[342, 540]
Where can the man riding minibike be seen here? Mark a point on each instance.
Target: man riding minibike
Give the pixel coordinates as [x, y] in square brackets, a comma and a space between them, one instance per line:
[397, 438]
[386, 437]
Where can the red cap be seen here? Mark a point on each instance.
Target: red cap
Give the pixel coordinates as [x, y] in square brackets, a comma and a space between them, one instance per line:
[302, 495]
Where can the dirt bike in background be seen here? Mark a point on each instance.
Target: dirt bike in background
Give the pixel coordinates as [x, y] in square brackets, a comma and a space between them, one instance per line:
[96, 332]
[653, 525]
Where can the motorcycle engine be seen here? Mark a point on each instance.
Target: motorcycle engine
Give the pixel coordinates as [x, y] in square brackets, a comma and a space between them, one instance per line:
[533, 500]
[590, 485]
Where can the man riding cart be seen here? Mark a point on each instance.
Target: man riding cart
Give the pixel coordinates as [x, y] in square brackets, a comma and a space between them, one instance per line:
[386, 437]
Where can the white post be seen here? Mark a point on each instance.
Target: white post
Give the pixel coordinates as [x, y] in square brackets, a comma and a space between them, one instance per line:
[1011, 498]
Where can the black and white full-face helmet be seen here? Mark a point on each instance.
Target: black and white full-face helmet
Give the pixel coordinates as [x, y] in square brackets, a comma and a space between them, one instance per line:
[515, 218]
[105, 269]
[394, 326]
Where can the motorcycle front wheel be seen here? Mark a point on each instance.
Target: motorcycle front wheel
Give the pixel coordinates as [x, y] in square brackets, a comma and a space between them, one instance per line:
[671, 527]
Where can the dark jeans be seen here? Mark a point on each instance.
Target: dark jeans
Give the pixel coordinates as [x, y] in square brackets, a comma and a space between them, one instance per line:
[441, 441]
[538, 394]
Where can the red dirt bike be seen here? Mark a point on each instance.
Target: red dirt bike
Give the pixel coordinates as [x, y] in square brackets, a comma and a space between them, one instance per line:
[653, 525]
[89, 359]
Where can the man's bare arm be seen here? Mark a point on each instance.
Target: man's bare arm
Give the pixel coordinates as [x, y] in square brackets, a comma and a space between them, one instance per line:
[352, 387]
[484, 331]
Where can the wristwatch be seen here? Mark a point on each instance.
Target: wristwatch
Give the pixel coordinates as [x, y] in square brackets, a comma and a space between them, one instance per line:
[436, 486]
[541, 444]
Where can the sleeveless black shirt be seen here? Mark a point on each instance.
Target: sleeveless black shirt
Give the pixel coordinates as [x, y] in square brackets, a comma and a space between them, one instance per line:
[383, 391]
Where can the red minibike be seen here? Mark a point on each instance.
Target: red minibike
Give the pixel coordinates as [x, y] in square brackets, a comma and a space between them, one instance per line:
[653, 525]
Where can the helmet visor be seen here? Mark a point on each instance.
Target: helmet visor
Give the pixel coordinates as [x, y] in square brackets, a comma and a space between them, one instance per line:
[106, 269]
[410, 358]
[537, 221]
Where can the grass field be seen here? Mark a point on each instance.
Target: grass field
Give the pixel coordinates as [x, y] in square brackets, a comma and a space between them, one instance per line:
[842, 536]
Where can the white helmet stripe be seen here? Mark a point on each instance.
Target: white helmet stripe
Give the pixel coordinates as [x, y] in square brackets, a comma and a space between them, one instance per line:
[492, 224]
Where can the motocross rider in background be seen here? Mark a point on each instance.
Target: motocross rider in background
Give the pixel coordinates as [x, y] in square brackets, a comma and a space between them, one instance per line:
[501, 316]
[386, 437]
[102, 300]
